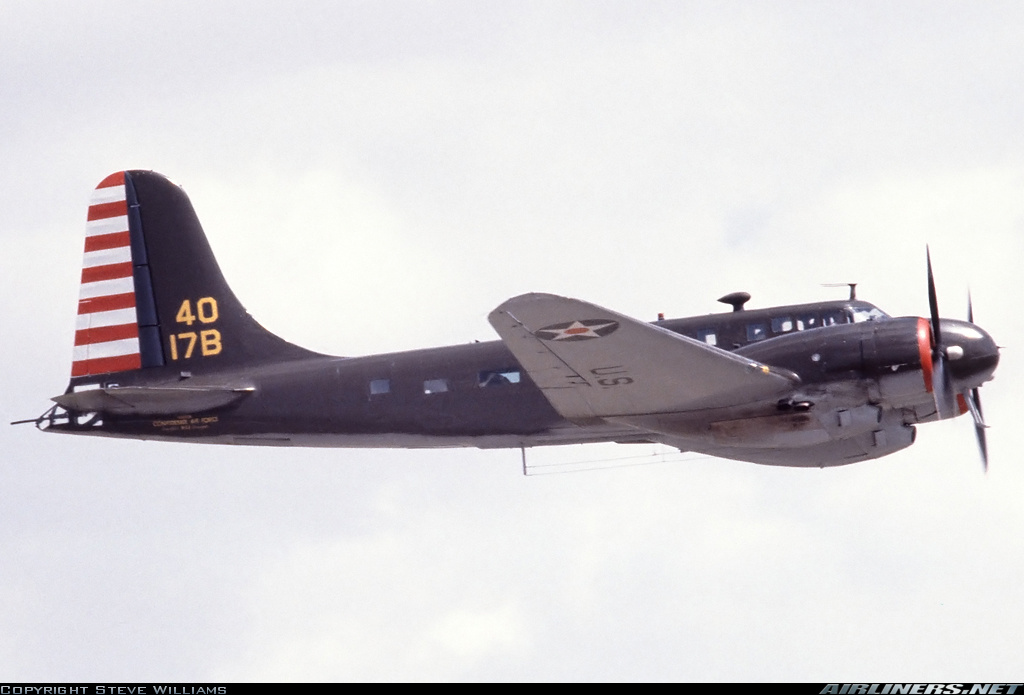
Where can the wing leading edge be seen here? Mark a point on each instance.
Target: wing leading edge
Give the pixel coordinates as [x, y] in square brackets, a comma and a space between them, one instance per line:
[591, 362]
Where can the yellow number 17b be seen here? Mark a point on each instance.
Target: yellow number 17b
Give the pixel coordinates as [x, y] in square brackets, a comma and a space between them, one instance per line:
[208, 340]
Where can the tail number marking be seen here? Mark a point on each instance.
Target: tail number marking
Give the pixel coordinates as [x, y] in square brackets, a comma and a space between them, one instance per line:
[183, 345]
[206, 311]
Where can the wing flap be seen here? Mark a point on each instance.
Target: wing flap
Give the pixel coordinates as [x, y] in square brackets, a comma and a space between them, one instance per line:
[592, 362]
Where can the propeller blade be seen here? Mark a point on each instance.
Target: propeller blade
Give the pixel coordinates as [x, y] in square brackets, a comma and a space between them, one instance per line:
[933, 304]
[973, 398]
[942, 389]
[974, 403]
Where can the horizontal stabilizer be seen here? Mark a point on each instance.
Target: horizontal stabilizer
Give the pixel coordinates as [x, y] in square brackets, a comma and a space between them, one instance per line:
[152, 400]
[591, 362]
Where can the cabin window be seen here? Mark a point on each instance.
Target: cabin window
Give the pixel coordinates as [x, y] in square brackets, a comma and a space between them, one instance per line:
[831, 318]
[436, 386]
[756, 331]
[708, 335]
[806, 322]
[498, 377]
[782, 324]
[380, 386]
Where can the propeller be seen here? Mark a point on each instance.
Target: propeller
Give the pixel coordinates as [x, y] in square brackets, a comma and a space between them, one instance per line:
[974, 402]
[948, 402]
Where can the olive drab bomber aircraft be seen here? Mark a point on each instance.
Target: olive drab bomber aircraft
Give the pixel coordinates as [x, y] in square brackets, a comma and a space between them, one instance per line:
[164, 350]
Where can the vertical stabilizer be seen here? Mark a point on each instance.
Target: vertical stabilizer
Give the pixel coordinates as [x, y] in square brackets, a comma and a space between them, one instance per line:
[152, 296]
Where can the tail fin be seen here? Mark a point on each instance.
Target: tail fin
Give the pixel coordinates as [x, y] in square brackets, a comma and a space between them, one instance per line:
[152, 296]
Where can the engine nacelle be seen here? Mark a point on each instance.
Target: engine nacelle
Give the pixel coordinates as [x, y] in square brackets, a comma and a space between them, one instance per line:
[858, 350]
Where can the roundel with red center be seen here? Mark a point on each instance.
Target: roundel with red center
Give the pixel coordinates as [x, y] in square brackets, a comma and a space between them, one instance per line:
[587, 329]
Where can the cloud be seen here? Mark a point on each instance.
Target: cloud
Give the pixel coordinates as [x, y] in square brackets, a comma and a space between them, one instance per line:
[378, 177]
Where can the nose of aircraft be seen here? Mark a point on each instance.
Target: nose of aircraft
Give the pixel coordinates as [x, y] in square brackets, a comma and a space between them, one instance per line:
[971, 353]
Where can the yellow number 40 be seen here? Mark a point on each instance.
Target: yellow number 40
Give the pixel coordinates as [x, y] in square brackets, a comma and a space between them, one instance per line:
[206, 311]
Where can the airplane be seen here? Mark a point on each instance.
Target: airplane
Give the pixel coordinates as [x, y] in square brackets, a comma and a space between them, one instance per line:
[164, 350]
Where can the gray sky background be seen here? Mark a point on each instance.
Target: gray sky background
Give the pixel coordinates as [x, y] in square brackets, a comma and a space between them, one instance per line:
[378, 176]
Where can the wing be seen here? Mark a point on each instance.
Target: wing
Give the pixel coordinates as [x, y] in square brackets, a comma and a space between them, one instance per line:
[591, 362]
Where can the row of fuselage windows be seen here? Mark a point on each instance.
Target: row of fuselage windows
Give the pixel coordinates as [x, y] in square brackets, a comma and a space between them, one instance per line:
[756, 330]
[759, 330]
[485, 379]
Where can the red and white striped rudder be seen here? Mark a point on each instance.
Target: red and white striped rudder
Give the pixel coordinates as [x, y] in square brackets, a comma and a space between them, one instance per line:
[107, 332]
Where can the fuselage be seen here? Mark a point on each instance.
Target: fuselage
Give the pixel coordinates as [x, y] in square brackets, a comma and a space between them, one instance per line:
[163, 349]
[850, 357]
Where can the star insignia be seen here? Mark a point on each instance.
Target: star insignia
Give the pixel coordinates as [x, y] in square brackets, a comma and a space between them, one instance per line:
[577, 330]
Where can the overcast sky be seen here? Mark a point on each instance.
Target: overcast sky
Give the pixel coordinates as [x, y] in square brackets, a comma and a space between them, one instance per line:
[378, 176]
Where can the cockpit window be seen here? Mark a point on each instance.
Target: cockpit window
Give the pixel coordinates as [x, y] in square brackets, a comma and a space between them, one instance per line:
[864, 313]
